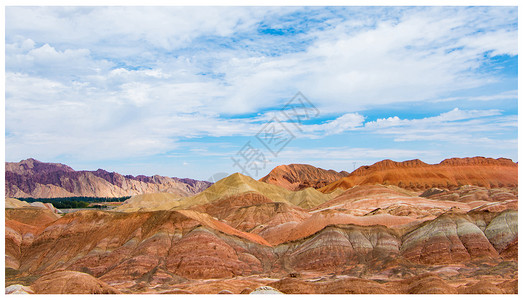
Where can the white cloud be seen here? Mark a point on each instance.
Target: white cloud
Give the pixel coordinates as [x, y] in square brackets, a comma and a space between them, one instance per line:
[435, 122]
[132, 32]
[470, 127]
[505, 95]
[401, 60]
[124, 82]
[420, 57]
[456, 114]
[49, 55]
[47, 61]
[341, 124]
[353, 154]
[500, 42]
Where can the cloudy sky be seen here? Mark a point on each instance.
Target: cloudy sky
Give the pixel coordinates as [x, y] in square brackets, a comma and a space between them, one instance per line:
[190, 92]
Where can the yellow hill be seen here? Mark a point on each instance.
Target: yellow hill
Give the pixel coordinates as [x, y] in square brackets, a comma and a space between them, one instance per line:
[233, 185]
[237, 184]
[149, 202]
[15, 203]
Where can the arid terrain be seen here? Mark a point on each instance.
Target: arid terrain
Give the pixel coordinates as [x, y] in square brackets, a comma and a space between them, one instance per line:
[32, 178]
[392, 227]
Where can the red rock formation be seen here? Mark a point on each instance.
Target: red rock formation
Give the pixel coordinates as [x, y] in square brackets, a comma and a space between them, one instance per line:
[339, 286]
[243, 234]
[33, 216]
[417, 175]
[297, 230]
[121, 246]
[428, 284]
[338, 247]
[481, 198]
[257, 218]
[482, 287]
[70, 282]
[450, 238]
[502, 231]
[22, 225]
[32, 178]
[238, 285]
[378, 199]
[227, 205]
[203, 254]
[296, 177]
[135, 250]
[509, 286]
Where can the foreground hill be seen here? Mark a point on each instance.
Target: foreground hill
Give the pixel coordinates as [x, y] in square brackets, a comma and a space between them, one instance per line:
[417, 175]
[32, 178]
[296, 177]
[163, 250]
[241, 235]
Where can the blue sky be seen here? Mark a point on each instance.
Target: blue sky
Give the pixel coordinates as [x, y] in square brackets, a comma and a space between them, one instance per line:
[179, 91]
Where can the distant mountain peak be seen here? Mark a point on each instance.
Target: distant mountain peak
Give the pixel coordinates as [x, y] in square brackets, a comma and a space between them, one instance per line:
[296, 177]
[416, 174]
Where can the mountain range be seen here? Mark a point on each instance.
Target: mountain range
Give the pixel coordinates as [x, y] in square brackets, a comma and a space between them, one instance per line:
[447, 228]
[449, 173]
[32, 178]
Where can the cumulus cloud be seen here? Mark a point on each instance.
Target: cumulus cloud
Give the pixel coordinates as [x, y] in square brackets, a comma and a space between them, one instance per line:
[166, 27]
[111, 82]
[414, 58]
[46, 61]
[419, 55]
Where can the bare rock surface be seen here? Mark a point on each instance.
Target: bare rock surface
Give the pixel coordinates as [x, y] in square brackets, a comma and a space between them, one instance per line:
[70, 282]
[18, 289]
[241, 235]
[296, 177]
[237, 185]
[417, 175]
[32, 178]
[447, 239]
[265, 290]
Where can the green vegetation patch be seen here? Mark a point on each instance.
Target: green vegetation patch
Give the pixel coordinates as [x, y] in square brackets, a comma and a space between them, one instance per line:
[75, 202]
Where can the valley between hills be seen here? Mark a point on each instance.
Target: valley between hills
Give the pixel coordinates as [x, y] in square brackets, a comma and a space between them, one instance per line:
[388, 228]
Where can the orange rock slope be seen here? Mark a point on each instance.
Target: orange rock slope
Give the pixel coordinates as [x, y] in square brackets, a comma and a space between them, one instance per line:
[296, 177]
[70, 282]
[22, 225]
[417, 175]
